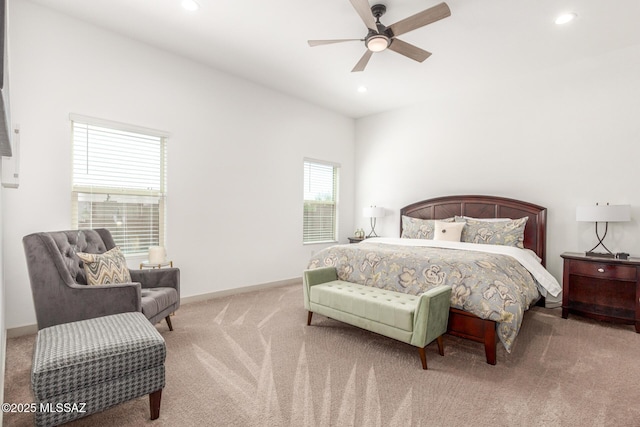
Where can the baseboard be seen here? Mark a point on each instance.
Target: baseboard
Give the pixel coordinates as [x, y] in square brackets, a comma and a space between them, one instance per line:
[234, 291]
[33, 329]
[22, 330]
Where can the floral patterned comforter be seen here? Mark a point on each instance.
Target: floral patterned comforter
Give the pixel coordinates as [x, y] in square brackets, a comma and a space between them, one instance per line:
[491, 286]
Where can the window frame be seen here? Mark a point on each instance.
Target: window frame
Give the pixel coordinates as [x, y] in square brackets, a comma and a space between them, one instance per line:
[335, 202]
[159, 194]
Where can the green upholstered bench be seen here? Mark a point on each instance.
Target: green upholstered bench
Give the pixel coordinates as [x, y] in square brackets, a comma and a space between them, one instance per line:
[413, 319]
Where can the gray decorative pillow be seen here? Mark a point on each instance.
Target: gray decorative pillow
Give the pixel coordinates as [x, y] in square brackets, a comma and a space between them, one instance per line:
[507, 233]
[105, 269]
[415, 228]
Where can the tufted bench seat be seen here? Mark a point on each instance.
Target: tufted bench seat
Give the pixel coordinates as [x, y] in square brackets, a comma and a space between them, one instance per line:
[91, 365]
[413, 319]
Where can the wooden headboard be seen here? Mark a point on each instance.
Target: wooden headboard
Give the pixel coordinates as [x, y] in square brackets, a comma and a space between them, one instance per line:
[535, 232]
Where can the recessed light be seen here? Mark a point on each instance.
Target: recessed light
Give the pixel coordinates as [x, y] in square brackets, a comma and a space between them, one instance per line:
[190, 5]
[566, 18]
[362, 89]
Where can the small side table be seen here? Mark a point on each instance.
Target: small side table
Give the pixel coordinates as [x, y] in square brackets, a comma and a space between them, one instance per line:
[147, 264]
[355, 239]
[601, 288]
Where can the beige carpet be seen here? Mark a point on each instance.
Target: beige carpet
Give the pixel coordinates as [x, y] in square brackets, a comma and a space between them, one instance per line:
[250, 360]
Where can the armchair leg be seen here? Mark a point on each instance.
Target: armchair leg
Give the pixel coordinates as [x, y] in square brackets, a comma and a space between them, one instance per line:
[168, 319]
[309, 318]
[154, 404]
[423, 357]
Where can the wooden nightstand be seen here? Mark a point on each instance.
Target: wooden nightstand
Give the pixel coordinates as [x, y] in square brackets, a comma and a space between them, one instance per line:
[355, 239]
[601, 288]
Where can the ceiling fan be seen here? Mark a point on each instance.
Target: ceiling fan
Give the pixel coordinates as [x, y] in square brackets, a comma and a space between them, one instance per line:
[381, 37]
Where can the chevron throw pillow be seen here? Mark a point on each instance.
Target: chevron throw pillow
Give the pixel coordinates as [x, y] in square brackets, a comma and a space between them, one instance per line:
[105, 269]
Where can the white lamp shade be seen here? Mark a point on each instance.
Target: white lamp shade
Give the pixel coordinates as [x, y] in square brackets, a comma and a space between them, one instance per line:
[373, 212]
[157, 254]
[604, 213]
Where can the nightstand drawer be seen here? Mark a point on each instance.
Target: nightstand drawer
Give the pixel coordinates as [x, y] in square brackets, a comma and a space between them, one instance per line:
[602, 270]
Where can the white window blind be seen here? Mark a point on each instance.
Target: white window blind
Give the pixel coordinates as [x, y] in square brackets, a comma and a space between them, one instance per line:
[320, 202]
[119, 183]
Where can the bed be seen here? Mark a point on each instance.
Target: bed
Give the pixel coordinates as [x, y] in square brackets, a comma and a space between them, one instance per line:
[386, 263]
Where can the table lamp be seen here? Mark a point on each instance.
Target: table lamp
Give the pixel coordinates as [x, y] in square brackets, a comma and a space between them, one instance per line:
[373, 212]
[603, 213]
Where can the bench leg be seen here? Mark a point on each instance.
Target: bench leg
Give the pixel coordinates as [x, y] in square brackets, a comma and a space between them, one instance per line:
[440, 345]
[169, 323]
[309, 318]
[154, 404]
[423, 357]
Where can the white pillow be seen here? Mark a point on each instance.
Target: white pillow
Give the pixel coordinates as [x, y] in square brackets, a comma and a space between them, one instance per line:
[449, 231]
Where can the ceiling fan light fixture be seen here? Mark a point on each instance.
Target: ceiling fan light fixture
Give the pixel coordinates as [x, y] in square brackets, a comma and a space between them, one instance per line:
[381, 37]
[377, 43]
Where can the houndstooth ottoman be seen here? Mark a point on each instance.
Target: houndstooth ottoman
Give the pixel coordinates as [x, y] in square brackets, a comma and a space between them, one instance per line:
[84, 367]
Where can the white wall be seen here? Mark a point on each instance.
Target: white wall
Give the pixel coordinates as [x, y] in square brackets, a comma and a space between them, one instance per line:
[235, 153]
[560, 139]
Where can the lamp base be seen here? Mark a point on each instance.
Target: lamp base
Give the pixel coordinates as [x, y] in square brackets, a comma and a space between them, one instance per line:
[600, 254]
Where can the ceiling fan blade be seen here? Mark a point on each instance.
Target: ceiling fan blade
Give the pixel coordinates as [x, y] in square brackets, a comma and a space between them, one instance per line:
[363, 61]
[313, 43]
[364, 10]
[420, 19]
[409, 50]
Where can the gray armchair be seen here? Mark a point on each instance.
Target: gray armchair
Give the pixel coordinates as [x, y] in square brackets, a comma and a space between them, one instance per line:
[60, 290]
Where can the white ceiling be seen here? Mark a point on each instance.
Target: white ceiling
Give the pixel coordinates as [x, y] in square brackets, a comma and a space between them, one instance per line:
[266, 42]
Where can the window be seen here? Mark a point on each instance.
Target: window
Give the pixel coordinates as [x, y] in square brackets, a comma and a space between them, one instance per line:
[119, 182]
[320, 202]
